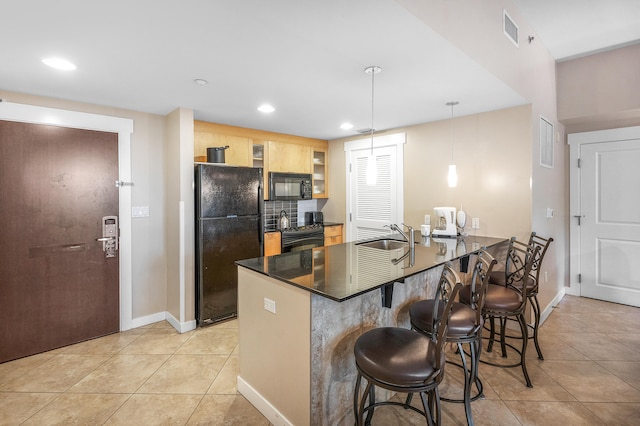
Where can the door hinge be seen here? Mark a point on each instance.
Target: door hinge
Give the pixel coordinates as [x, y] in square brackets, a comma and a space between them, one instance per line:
[350, 219]
[579, 163]
[579, 278]
[349, 167]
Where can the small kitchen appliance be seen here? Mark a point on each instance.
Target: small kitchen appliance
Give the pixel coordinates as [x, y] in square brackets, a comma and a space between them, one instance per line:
[284, 220]
[289, 186]
[313, 218]
[445, 223]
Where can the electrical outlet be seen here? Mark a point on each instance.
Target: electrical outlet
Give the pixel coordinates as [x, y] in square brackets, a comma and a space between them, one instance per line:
[475, 223]
[270, 305]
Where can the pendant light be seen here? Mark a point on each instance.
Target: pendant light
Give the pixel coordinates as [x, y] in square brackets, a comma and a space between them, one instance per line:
[452, 176]
[372, 167]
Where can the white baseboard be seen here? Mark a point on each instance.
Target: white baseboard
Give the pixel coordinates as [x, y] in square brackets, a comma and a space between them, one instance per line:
[574, 290]
[162, 316]
[181, 327]
[547, 311]
[269, 411]
[148, 319]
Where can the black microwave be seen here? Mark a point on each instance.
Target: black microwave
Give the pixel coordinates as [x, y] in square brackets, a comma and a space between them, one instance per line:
[289, 186]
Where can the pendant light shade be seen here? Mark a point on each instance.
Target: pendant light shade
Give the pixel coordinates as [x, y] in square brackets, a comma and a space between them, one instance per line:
[452, 176]
[372, 167]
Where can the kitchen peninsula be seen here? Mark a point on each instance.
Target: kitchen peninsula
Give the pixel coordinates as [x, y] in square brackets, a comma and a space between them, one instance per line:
[300, 313]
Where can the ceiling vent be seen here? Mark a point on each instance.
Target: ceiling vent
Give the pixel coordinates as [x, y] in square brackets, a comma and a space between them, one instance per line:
[509, 28]
[364, 131]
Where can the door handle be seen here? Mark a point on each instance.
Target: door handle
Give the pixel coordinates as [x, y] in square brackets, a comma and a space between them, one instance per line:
[579, 217]
[109, 237]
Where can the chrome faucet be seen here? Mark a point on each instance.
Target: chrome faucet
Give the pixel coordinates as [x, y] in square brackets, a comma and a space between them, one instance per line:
[408, 238]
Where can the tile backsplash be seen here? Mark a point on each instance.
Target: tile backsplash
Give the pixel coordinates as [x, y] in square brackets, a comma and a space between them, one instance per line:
[295, 210]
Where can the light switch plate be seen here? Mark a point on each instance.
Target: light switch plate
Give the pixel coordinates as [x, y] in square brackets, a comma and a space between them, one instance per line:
[140, 211]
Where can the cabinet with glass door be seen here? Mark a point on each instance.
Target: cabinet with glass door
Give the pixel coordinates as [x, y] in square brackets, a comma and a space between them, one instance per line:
[319, 167]
[259, 159]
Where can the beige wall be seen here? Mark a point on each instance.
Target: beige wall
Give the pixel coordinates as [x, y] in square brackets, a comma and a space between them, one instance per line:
[476, 28]
[600, 91]
[493, 156]
[178, 180]
[147, 173]
[499, 178]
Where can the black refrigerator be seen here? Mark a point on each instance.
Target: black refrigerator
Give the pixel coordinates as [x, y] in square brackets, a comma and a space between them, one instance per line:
[229, 227]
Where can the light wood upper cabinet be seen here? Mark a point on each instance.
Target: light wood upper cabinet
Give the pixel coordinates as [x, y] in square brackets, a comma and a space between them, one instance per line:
[289, 158]
[260, 158]
[319, 167]
[274, 152]
[240, 152]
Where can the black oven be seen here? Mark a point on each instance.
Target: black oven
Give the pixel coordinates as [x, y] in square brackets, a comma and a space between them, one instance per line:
[302, 238]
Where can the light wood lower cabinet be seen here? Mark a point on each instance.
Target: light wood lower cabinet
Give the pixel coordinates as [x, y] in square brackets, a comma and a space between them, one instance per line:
[272, 243]
[332, 235]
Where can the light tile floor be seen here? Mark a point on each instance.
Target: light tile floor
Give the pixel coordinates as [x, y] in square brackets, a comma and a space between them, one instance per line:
[155, 376]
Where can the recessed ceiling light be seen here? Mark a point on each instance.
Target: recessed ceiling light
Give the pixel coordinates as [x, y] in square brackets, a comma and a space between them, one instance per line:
[346, 126]
[266, 108]
[59, 64]
[200, 81]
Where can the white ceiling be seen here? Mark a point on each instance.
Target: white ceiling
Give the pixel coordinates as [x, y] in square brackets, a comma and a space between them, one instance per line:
[304, 57]
[573, 28]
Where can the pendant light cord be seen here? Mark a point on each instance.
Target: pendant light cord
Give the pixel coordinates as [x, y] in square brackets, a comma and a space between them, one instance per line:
[452, 104]
[373, 76]
[373, 70]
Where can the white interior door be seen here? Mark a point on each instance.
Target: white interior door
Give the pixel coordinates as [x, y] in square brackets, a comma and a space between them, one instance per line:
[371, 206]
[610, 222]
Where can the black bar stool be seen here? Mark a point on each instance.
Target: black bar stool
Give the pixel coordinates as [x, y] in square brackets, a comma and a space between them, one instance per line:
[405, 361]
[533, 283]
[465, 326]
[508, 301]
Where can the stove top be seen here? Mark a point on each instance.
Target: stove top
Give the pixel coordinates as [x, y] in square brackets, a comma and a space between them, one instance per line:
[304, 228]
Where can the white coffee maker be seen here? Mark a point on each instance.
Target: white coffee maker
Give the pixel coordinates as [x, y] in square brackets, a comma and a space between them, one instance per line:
[445, 223]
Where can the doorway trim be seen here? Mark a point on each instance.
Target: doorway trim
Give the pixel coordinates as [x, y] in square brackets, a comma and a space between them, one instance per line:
[393, 140]
[10, 111]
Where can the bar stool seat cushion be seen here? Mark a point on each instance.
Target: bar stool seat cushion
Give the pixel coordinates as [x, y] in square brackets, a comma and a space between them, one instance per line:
[499, 278]
[498, 298]
[462, 321]
[397, 356]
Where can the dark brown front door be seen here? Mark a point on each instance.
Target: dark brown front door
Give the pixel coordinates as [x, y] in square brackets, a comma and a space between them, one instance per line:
[56, 285]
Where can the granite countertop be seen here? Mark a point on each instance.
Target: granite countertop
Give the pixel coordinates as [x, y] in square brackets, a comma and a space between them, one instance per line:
[343, 271]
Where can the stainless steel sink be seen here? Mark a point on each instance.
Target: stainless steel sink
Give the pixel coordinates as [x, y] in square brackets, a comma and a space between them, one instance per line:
[385, 244]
